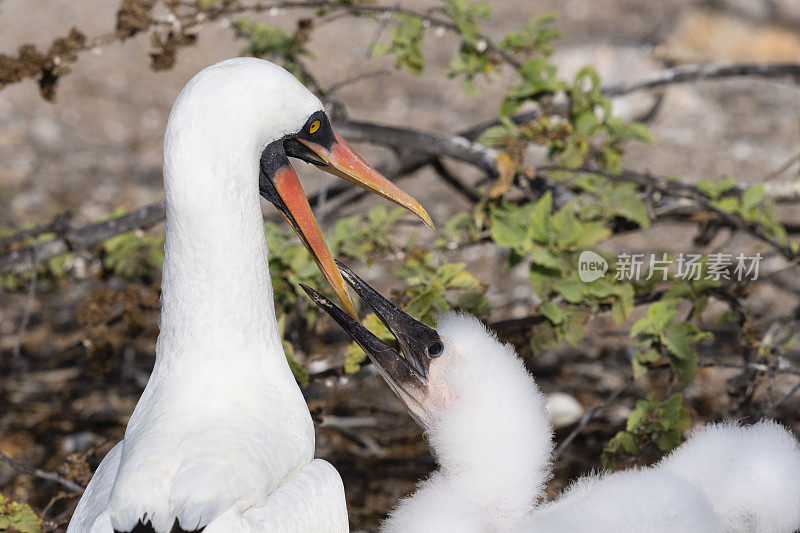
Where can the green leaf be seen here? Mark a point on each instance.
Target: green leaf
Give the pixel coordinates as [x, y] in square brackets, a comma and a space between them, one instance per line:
[715, 190]
[545, 258]
[509, 225]
[678, 339]
[570, 289]
[407, 43]
[496, 136]
[16, 516]
[623, 200]
[552, 313]
[534, 37]
[659, 316]
[751, 198]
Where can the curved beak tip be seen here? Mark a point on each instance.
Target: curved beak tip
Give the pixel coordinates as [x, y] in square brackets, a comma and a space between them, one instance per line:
[426, 218]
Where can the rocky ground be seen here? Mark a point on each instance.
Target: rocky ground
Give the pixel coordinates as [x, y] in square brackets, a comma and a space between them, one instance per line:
[97, 148]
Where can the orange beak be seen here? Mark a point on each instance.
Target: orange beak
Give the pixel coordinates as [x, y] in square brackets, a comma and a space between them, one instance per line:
[302, 220]
[342, 161]
[279, 184]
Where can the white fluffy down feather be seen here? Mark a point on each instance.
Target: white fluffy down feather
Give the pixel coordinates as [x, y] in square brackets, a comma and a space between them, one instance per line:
[486, 423]
[494, 454]
[750, 474]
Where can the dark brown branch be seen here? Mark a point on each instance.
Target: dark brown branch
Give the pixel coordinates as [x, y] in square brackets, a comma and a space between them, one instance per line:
[588, 415]
[83, 237]
[416, 149]
[682, 190]
[454, 182]
[771, 407]
[690, 73]
[42, 474]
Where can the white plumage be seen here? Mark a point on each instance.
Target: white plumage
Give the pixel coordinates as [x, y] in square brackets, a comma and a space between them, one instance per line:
[487, 426]
[221, 436]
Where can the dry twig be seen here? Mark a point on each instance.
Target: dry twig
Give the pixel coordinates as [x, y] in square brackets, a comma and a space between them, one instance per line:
[42, 474]
[690, 73]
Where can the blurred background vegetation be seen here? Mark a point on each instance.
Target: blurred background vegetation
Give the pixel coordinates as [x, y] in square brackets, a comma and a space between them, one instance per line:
[531, 130]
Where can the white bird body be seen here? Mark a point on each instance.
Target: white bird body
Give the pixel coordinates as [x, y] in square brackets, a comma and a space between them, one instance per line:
[634, 501]
[749, 474]
[221, 436]
[487, 426]
[725, 478]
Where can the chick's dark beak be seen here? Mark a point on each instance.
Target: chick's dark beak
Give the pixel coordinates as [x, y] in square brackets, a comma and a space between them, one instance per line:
[414, 337]
[406, 374]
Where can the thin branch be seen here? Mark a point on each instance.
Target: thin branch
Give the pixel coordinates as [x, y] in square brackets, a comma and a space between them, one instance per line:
[690, 73]
[768, 409]
[783, 168]
[42, 474]
[454, 182]
[760, 367]
[358, 78]
[683, 190]
[83, 237]
[588, 415]
[26, 314]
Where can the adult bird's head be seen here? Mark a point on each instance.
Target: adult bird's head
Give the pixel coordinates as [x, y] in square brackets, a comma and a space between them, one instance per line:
[259, 108]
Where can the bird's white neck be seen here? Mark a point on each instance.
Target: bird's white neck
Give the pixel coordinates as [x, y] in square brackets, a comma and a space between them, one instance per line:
[494, 442]
[216, 296]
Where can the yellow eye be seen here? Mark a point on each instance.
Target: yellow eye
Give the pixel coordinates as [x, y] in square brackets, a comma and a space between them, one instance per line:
[313, 127]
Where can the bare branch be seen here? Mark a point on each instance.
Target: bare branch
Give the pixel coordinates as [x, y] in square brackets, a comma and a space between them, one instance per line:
[26, 314]
[588, 415]
[690, 73]
[358, 78]
[84, 237]
[454, 182]
[690, 192]
[771, 407]
[416, 148]
[42, 474]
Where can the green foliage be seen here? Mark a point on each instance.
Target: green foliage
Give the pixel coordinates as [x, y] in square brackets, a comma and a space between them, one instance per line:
[357, 237]
[272, 42]
[594, 131]
[432, 289]
[751, 205]
[535, 37]
[651, 422]
[133, 255]
[429, 284]
[466, 15]
[658, 334]
[406, 44]
[300, 374]
[459, 228]
[15, 516]
[473, 57]
[623, 200]
[715, 190]
[551, 243]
